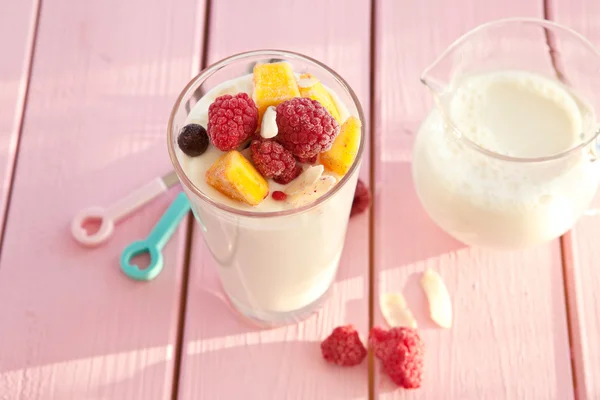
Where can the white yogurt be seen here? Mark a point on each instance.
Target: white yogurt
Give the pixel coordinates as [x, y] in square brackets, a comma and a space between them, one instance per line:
[271, 268]
[484, 201]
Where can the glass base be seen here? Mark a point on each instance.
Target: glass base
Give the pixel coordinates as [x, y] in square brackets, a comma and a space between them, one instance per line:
[274, 319]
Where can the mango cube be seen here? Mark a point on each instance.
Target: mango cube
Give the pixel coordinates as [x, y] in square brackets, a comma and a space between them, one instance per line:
[274, 83]
[234, 176]
[340, 157]
[313, 89]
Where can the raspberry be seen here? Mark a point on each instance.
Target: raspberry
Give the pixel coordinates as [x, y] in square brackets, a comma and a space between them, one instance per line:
[193, 140]
[273, 161]
[343, 347]
[288, 175]
[231, 120]
[362, 199]
[401, 350]
[382, 341]
[305, 127]
[279, 195]
[310, 160]
[405, 365]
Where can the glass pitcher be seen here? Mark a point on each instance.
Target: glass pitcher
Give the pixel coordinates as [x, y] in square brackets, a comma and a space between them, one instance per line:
[508, 156]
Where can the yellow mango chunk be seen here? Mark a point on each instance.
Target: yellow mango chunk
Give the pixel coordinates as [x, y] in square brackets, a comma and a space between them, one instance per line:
[274, 83]
[317, 91]
[340, 157]
[234, 176]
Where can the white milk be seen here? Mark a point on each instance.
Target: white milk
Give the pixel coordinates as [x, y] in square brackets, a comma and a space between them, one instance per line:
[273, 269]
[484, 201]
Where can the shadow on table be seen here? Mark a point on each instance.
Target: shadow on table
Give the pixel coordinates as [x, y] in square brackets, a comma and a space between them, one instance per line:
[404, 233]
[259, 371]
[278, 370]
[62, 303]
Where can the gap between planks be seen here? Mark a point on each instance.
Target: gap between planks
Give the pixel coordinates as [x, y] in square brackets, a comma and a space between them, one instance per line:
[187, 258]
[566, 250]
[569, 287]
[373, 183]
[21, 111]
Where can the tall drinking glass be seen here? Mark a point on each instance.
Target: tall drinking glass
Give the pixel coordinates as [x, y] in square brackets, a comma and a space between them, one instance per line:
[275, 267]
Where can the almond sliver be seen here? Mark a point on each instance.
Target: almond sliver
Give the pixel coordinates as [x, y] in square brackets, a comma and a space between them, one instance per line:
[311, 192]
[306, 179]
[440, 305]
[395, 311]
[268, 127]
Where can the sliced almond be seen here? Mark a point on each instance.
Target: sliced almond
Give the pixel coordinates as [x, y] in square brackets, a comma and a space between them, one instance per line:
[306, 178]
[440, 305]
[312, 192]
[395, 311]
[268, 126]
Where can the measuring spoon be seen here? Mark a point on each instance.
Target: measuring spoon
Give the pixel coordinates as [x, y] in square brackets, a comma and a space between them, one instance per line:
[154, 243]
[108, 217]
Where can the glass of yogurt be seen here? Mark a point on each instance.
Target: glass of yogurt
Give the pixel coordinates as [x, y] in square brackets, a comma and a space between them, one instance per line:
[507, 158]
[275, 231]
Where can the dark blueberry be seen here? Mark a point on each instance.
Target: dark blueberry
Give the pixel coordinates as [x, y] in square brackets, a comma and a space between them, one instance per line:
[193, 140]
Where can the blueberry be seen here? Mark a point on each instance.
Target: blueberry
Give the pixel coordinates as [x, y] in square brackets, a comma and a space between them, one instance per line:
[193, 140]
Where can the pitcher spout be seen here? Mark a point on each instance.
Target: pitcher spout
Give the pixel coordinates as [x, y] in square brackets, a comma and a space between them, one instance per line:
[470, 52]
[496, 64]
[437, 76]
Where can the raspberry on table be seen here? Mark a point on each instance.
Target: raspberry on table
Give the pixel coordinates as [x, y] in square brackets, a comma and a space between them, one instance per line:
[193, 140]
[305, 127]
[401, 350]
[362, 199]
[231, 120]
[273, 161]
[343, 347]
[380, 339]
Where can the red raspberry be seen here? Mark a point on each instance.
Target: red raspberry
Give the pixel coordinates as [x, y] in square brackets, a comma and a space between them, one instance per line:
[343, 347]
[288, 175]
[362, 199]
[273, 161]
[310, 160]
[382, 341]
[401, 350]
[405, 365]
[305, 127]
[231, 120]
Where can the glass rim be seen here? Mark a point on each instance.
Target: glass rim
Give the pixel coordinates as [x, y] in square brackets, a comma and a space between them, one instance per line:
[211, 70]
[546, 24]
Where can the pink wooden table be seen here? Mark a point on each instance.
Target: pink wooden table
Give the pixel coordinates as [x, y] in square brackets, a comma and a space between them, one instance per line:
[85, 92]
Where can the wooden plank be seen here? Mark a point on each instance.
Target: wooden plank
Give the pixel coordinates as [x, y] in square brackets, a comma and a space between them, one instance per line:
[18, 21]
[510, 337]
[224, 358]
[581, 251]
[105, 76]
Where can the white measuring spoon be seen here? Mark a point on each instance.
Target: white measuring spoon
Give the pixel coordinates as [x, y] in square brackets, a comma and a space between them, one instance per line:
[109, 216]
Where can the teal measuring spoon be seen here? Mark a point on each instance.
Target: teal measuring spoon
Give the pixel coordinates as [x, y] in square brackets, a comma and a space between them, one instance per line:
[154, 243]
